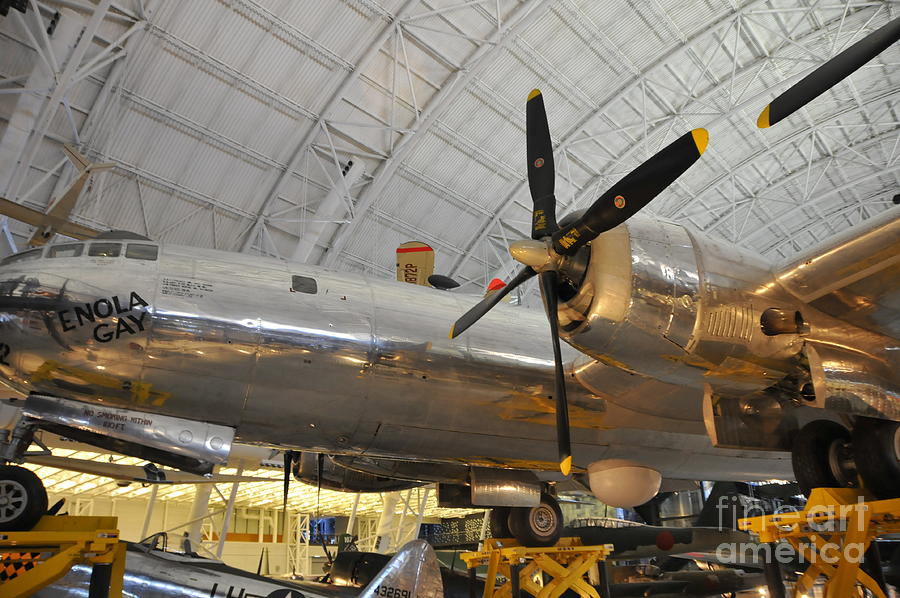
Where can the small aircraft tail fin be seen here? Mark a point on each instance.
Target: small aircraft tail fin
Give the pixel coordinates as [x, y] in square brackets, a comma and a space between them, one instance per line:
[57, 216]
[412, 573]
[81, 163]
[415, 262]
[78, 161]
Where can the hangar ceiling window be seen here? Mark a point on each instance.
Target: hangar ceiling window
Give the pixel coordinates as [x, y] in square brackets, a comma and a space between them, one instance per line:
[67, 250]
[105, 249]
[137, 251]
[304, 284]
[31, 254]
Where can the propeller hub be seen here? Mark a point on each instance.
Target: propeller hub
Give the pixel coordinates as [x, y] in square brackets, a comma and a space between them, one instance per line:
[536, 254]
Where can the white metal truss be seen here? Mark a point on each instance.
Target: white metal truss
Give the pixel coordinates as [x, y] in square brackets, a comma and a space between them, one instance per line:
[733, 195]
[366, 531]
[523, 16]
[298, 555]
[396, 529]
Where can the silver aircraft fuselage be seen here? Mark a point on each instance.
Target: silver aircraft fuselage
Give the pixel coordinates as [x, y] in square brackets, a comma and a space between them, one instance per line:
[331, 362]
[159, 574]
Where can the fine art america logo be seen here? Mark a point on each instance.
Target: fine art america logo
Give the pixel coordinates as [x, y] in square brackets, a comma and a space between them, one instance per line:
[821, 521]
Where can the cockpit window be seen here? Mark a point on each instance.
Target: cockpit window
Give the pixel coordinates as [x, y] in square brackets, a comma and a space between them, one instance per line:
[67, 250]
[32, 254]
[105, 249]
[304, 284]
[137, 251]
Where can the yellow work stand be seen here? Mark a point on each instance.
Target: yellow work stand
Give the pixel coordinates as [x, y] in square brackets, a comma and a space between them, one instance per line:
[832, 533]
[35, 559]
[566, 563]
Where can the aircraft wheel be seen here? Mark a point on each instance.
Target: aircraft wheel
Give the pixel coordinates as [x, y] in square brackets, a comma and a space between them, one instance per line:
[23, 499]
[876, 443]
[499, 522]
[537, 526]
[822, 457]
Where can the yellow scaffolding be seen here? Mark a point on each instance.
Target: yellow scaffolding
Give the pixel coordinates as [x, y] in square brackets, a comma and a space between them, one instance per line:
[566, 564]
[35, 559]
[832, 534]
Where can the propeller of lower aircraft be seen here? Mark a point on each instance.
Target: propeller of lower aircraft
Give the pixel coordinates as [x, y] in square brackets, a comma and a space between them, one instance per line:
[549, 245]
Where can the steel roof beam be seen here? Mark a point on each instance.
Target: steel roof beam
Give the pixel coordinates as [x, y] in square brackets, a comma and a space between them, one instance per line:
[523, 16]
[60, 89]
[637, 80]
[640, 79]
[313, 130]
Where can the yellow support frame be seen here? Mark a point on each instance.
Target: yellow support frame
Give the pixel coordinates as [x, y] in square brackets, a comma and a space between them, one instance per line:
[833, 521]
[69, 541]
[566, 563]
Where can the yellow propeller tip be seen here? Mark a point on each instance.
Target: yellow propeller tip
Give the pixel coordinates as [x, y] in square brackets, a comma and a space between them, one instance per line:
[534, 93]
[701, 139]
[763, 121]
[566, 465]
[452, 328]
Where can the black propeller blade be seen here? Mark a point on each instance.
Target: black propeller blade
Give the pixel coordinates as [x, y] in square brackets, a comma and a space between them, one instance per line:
[829, 74]
[541, 171]
[549, 280]
[288, 459]
[633, 192]
[485, 305]
[541, 183]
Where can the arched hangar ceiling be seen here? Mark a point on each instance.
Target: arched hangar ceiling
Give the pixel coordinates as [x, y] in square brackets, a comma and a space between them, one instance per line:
[231, 121]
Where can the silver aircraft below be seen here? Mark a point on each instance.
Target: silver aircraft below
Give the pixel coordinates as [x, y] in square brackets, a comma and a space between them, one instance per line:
[688, 358]
[152, 572]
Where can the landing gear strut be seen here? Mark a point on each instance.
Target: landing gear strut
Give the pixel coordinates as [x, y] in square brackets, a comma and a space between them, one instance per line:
[541, 525]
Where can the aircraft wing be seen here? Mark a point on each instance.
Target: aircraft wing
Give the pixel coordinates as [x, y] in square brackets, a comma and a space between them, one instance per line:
[855, 277]
[77, 231]
[22, 213]
[17, 211]
[136, 473]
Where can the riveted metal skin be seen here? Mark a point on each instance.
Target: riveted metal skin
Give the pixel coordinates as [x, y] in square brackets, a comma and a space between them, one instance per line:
[662, 301]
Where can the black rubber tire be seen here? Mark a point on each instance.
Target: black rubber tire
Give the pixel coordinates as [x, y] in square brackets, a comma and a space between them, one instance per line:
[876, 444]
[537, 526]
[499, 522]
[23, 499]
[809, 455]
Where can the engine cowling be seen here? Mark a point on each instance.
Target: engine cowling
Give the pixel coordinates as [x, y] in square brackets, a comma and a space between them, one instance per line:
[658, 300]
[328, 474]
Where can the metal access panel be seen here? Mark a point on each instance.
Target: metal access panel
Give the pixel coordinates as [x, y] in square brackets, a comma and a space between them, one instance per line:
[755, 422]
[184, 437]
[505, 488]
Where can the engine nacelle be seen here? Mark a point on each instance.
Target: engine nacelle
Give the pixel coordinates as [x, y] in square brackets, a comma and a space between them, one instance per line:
[664, 302]
[623, 483]
[324, 471]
